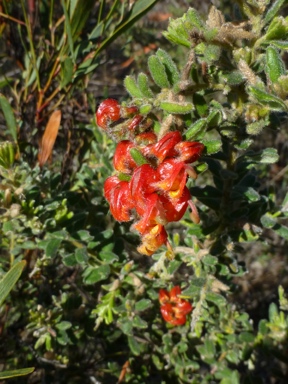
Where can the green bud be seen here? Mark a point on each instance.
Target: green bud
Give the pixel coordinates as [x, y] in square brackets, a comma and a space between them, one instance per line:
[171, 68]
[243, 54]
[158, 72]
[267, 156]
[145, 109]
[256, 127]
[132, 87]
[138, 157]
[143, 84]
[211, 53]
[274, 64]
[173, 107]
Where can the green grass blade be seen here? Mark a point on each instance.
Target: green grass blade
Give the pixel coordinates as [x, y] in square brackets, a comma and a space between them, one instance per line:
[10, 279]
[9, 116]
[68, 30]
[79, 16]
[16, 372]
[139, 9]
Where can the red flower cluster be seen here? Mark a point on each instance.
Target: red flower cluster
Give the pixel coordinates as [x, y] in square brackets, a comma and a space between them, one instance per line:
[151, 182]
[173, 308]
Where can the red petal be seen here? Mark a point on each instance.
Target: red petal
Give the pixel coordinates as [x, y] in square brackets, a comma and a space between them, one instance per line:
[163, 296]
[165, 147]
[184, 307]
[122, 160]
[173, 177]
[118, 195]
[167, 312]
[108, 110]
[153, 240]
[174, 292]
[189, 151]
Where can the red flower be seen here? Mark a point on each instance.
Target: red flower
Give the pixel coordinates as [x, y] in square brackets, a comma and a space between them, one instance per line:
[146, 138]
[108, 111]
[172, 177]
[165, 147]
[122, 160]
[117, 193]
[189, 151]
[173, 308]
[154, 237]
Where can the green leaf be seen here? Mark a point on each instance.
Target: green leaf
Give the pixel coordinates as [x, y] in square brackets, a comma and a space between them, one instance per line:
[79, 14]
[108, 257]
[268, 221]
[274, 64]
[170, 67]
[195, 19]
[273, 312]
[209, 260]
[280, 44]
[267, 156]
[9, 116]
[67, 68]
[16, 372]
[177, 32]
[273, 10]
[132, 87]
[277, 30]
[70, 260]
[134, 346]
[172, 107]
[265, 98]
[158, 73]
[200, 104]
[50, 246]
[143, 84]
[143, 304]
[195, 129]
[195, 287]
[212, 146]
[81, 255]
[94, 274]
[10, 279]
[63, 325]
[216, 299]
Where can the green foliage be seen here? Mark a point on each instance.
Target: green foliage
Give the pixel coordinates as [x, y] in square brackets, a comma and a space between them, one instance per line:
[6, 284]
[87, 304]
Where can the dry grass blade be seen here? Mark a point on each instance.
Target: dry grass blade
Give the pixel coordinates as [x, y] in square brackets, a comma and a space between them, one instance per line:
[49, 137]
